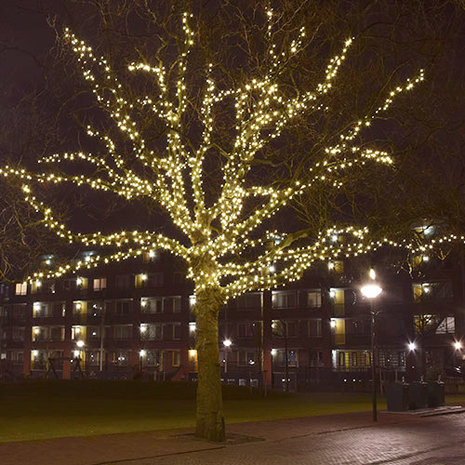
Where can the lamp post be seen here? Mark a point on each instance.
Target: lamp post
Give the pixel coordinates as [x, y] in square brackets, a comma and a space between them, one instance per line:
[458, 354]
[371, 291]
[227, 344]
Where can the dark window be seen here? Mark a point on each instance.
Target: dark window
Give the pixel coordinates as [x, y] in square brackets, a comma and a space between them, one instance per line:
[314, 327]
[122, 281]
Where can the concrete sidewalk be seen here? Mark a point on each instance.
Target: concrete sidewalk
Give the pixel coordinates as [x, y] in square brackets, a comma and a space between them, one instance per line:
[119, 448]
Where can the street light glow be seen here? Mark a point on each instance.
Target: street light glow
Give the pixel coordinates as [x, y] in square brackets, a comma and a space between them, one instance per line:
[227, 342]
[412, 346]
[371, 291]
[80, 343]
[458, 345]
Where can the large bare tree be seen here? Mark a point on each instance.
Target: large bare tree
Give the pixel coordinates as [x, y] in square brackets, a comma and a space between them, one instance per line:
[224, 138]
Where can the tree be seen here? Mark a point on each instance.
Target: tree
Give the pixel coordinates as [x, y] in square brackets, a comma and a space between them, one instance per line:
[209, 137]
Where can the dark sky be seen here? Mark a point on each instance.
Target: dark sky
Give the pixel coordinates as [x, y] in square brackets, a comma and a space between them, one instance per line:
[26, 38]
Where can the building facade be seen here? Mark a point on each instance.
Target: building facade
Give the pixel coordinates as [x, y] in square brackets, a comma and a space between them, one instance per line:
[134, 319]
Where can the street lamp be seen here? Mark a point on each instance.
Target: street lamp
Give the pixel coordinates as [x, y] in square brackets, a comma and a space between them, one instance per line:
[227, 344]
[371, 291]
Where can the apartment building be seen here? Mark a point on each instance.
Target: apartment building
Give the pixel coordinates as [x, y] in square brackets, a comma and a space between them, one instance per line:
[134, 319]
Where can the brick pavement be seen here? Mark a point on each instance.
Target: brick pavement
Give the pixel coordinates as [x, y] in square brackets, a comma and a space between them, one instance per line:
[333, 440]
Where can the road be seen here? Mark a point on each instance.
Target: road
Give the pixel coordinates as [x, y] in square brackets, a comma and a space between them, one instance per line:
[437, 440]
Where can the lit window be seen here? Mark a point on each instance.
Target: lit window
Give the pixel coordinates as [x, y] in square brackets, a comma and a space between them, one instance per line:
[21, 289]
[100, 284]
[446, 326]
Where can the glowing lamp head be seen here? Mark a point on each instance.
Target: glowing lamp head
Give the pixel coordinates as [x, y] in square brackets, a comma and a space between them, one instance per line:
[458, 345]
[332, 323]
[273, 352]
[412, 346]
[227, 342]
[371, 291]
[80, 343]
[142, 353]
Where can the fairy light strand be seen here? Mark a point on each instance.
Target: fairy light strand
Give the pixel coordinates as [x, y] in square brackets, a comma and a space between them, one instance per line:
[174, 177]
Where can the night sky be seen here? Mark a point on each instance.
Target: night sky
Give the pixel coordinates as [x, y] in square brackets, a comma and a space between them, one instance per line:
[430, 124]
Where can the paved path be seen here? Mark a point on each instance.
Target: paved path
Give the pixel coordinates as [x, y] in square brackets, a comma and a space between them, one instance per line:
[352, 439]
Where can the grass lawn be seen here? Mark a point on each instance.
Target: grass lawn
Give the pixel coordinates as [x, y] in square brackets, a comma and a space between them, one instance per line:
[83, 408]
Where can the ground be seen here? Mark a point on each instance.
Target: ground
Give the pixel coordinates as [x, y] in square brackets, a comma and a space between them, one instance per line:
[348, 439]
[43, 410]
[311, 437]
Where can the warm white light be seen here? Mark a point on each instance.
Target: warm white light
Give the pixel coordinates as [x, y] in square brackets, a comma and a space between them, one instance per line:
[272, 268]
[332, 323]
[227, 342]
[273, 352]
[412, 346]
[142, 353]
[458, 345]
[35, 353]
[371, 291]
[143, 328]
[78, 281]
[80, 343]
[36, 330]
[143, 277]
[143, 302]
[152, 254]
[76, 353]
[372, 273]
[192, 327]
[38, 283]
[425, 258]
[330, 266]
[192, 353]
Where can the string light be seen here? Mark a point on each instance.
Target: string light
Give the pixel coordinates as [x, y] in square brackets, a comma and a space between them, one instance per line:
[174, 178]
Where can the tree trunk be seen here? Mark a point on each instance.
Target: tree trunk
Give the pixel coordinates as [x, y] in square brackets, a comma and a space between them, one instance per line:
[210, 417]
